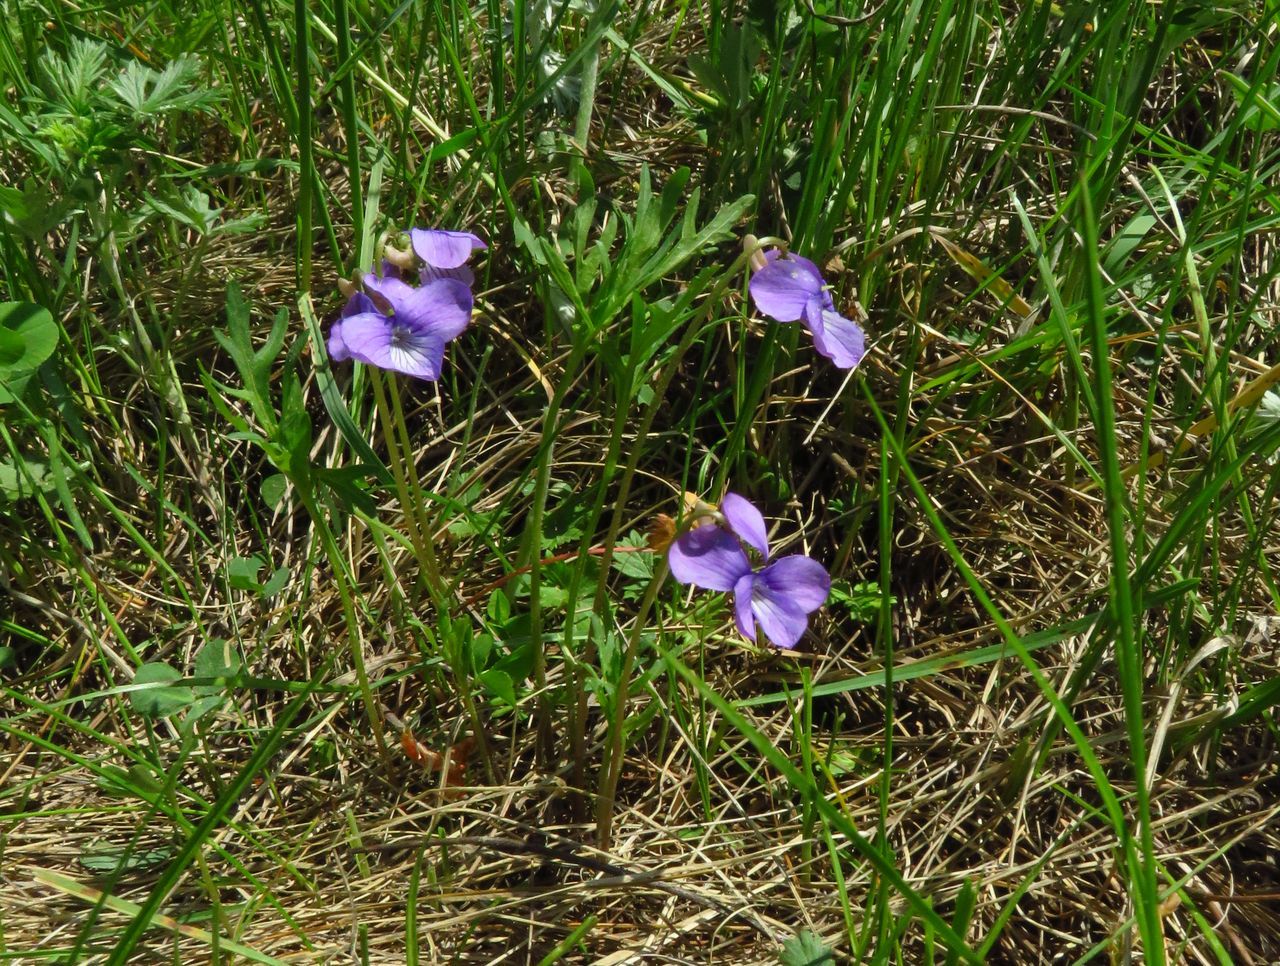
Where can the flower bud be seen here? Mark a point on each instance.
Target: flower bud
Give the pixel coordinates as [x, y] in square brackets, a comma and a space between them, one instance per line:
[402, 258]
[755, 255]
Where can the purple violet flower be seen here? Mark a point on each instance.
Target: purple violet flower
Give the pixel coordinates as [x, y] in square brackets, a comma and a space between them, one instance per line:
[444, 253]
[790, 287]
[395, 326]
[444, 249]
[779, 597]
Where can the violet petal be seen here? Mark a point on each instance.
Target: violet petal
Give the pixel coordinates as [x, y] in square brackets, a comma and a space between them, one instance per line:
[367, 337]
[746, 521]
[784, 287]
[839, 339]
[338, 350]
[444, 249]
[708, 557]
[441, 307]
[800, 580]
[782, 622]
[742, 615]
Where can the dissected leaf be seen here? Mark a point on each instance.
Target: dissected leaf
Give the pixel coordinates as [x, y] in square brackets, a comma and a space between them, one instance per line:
[150, 92]
[806, 949]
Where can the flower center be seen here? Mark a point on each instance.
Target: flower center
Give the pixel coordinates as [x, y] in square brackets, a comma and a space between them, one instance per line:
[402, 337]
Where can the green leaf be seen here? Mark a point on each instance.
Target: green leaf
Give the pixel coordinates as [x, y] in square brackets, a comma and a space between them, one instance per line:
[275, 583]
[28, 336]
[217, 661]
[14, 204]
[12, 347]
[638, 565]
[805, 949]
[498, 684]
[8, 657]
[105, 859]
[163, 698]
[199, 708]
[136, 780]
[148, 92]
[481, 650]
[273, 490]
[295, 437]
[189, 207]
[242, 572]
[23, 478]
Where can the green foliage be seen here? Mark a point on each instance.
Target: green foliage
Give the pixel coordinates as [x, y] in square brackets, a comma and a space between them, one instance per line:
[149, 93]
[243, 573]
[590, 285]
[28, 337]
[157, 695]
[806, 949]
[1026, 198]
[860, 600]
[282, 426]
[87, 121]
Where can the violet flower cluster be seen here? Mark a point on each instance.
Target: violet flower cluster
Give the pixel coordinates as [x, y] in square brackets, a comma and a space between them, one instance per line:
[789, 287]
[402, 320]
[778, 597]
[404, 327]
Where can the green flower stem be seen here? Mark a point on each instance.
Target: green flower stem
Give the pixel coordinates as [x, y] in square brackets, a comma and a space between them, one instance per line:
[413, 506]
[398, 456]
[613, 758]
[417, 498]
[306, 160]
[338, 564]
[531, 551]
[608, 789]
[692, 330]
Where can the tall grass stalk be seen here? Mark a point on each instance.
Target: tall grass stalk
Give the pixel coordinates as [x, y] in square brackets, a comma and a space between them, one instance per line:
[1142, 867]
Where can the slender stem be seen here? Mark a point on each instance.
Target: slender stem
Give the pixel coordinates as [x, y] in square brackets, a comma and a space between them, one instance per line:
[306, 162]
[617, 725]
[1128, 643]
[692, 331]
[338, 565]
[417, 500]
[422, 547]
[533, 541]
[347, 90]
[461, 665]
